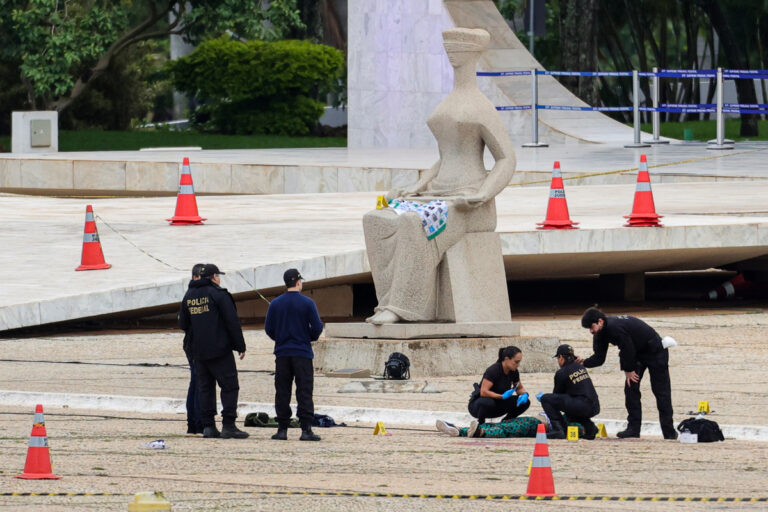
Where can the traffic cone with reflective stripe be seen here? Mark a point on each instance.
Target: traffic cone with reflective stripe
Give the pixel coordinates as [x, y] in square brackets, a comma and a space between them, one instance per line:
[729, 289]
[643, 209]
[186, 204]
[557, 209]
[541, 482]
[38, 466]
[92, 257]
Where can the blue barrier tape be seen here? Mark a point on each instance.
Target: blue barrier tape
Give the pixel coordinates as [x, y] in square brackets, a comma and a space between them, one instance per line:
[503, 73]
[515, 107]
[677, 110]
[745, 105]
[584, 109]
[744, 111]
[692, 74]
[585, 73]
[688, 105]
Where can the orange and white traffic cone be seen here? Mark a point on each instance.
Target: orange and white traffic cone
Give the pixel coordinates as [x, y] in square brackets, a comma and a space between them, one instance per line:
[643, 209]
[92, 257]
[186, 204]
[541, 482]
[557, 208]
[730, 289]
[38, 465]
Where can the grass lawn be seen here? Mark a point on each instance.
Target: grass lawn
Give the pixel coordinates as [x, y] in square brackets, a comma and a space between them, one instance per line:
[706, 130]
[97, 140]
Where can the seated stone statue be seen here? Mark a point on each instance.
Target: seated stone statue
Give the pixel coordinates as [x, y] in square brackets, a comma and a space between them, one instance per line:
[456, 196]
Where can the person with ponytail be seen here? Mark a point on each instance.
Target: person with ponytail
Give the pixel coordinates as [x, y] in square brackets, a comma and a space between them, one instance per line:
[494, 396]
[573, 395]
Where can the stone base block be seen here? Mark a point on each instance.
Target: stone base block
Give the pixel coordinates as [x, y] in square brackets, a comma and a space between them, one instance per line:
[407, 331]
[433, 357]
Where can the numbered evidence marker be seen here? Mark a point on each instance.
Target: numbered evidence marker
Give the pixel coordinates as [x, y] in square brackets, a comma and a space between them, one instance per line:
[703, 407]
[573, 434]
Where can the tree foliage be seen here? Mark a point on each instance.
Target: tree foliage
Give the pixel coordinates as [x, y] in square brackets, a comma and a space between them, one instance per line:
[60, 46]
[642, 34]
[258, 87]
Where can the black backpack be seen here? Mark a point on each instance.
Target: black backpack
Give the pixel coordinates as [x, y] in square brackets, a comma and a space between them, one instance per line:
[707, 430]
[397, 367]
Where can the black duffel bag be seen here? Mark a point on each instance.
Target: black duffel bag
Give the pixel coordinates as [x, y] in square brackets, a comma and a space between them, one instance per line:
[707, 430]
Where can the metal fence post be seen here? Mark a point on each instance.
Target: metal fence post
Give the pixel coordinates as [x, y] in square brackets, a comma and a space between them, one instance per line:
[656, 115]
[534, 114]
[637, 143]
[720, 142]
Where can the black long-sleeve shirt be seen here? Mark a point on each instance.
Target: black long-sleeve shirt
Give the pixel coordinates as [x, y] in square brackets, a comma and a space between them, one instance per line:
[630, 334]
[574, 380]
[209, 317]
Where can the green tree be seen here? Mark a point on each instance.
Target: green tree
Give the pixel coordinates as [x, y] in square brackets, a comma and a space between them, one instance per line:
[62, 46]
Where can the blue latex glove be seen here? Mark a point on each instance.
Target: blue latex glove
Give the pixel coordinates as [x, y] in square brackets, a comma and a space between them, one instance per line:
[539, 395]
[522, 399]
[508, 394]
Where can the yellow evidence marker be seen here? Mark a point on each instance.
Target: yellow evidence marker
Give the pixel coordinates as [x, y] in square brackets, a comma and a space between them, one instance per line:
[381, 202]
[380, 429]
[703, 407]
[573, 434]
[601, 430]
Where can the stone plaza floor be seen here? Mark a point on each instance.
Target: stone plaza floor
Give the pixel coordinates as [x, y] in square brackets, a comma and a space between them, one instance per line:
[719, 358]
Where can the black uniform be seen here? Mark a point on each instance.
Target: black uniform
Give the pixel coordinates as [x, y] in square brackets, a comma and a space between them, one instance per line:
[574, 395]
[482, 407]
[639, 348]
[209, 315]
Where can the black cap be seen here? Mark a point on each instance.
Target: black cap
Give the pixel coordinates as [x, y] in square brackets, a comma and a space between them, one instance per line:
[209, 270]
[291, 276]
[564, 350]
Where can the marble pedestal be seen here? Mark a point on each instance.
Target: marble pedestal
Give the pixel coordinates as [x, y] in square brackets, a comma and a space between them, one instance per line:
[433, 357]
[417, 330]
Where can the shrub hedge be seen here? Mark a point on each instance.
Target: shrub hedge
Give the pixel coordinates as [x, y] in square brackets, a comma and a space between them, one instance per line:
[257, 86]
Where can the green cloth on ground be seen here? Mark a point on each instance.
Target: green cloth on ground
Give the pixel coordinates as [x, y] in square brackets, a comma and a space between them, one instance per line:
[262, 419]
[523, 426]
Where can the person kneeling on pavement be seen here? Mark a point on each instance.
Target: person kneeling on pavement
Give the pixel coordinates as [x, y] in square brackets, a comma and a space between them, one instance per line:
[573, 395]
[493, 397]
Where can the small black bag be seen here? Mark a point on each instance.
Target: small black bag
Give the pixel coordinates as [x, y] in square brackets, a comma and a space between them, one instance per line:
[707, 430]
[397, 367]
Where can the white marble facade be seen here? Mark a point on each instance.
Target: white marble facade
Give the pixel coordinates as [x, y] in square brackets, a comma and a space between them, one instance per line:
[397, 71]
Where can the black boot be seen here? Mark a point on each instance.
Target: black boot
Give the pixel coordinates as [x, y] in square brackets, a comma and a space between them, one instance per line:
[627, 433]
[590, 429]
[281, 434]
[232, 432]
[211, 432]
[308, 435]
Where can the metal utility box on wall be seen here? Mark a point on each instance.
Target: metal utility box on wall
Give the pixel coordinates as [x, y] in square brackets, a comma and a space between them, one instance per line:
[40, 133]
[35, 132]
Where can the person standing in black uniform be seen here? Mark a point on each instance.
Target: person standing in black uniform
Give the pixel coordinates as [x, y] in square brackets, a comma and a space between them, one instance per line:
[293, 323]
[640, 347]
[209, 315]
[491, 398]
[573, 394]
[194, 425]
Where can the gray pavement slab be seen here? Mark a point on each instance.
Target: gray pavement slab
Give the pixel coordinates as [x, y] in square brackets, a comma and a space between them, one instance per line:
[255, 238]
[719, 358]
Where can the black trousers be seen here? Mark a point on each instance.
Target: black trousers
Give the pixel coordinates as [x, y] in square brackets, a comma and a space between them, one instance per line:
[658, 367]
[193, 406]
[288, 369]
[222, 371]
[577, 408]
[484, 407]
